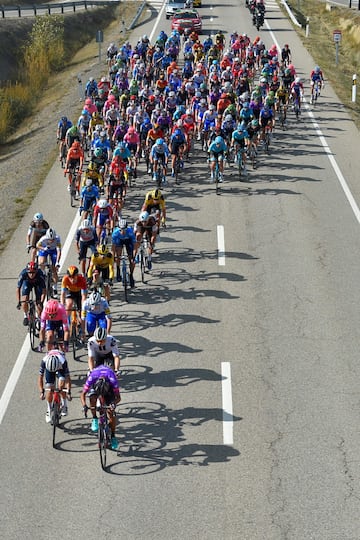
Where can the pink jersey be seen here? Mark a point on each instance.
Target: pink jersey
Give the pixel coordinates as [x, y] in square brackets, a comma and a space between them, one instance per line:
[132, 138]
[61, 316]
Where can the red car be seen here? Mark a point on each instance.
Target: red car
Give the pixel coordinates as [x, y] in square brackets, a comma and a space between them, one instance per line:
[184, 19]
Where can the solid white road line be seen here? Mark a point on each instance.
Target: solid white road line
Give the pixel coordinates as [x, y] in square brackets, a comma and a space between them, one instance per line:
[227, 403]
[157, 21]
[25, 349]
[327, 149]
[221, 245]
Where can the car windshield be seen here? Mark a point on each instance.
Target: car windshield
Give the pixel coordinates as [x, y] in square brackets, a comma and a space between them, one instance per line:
[186, 15]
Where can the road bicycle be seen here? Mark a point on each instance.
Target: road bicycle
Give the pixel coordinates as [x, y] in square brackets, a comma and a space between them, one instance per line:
[63, 153]
[178, 166]
[296, 107]
[282, 116]
[55, 410]
[240, 162]
[34, 321]
[104, 432]
[144, 255]
[160, 178]
[267, 138]
[74, 183]
[217, 177]
[252, 154]
[75, 331]
[122, 274]
[315, 93]
[48, 280]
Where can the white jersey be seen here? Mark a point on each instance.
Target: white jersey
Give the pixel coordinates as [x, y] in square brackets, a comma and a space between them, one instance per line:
[96, 350]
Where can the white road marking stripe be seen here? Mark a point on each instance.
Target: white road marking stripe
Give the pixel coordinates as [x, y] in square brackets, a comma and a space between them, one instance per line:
[221, 245]
[157, 21]
[227, 403]
[25, 349]
[327, 149]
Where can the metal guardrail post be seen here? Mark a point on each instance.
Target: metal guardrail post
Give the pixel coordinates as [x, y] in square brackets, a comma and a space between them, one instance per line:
[19, 10]
[2, 12]
[49, 9]
[74, 7]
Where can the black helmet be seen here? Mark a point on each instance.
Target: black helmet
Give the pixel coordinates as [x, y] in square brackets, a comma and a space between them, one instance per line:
[102, 386]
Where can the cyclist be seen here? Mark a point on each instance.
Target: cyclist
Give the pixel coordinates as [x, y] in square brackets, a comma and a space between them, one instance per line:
[146, 224]
[240, 141]
[155, 203]
[63, 126]
[96, 311]
[49, 245]
[103, 217]
[54, 364]
[37, 228]
[30, 278]
[282, 99]
[177, 146]
[102, 382]
[73, 289]
[297, 91]
[103, 349]
[91, 88]
[92, 173]
[89, 197]
[74, 161]
[132, 140]
[123, 236]
[103, 261]
[266, 118]
[53, 318]
[85, 238]
[73, 134]
[159, 152]
[216, 151]
[316, 77]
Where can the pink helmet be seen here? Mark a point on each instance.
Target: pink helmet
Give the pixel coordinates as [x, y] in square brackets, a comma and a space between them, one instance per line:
[52, 307]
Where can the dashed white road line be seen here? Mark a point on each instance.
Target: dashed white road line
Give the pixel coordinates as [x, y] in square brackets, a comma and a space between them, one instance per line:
[221, 245]
[227, 406]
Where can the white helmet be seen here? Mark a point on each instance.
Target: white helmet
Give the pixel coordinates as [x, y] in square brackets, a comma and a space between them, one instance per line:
[102, 203]
[53, 361]
[94, 298]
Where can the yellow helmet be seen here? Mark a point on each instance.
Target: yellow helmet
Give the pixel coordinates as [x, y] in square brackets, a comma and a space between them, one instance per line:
[102, 249]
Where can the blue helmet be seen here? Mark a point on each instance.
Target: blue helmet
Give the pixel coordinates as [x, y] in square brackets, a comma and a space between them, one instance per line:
[218, 140]
[159, 142]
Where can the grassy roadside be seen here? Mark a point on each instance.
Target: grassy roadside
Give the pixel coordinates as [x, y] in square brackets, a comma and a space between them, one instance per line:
[321, 46]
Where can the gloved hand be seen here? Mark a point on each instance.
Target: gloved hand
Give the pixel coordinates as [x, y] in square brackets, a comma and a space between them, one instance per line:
[18, 305]
[85, 410]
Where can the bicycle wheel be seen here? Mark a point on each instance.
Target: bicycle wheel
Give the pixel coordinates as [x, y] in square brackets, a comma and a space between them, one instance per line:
[240, 163]
[55, 420]
[73, 337]
[142, 265]
[48, 284]
[125, 280]
[102, 443]
[217, 187]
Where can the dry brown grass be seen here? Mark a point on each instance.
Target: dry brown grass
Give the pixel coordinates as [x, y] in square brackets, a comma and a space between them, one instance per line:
[321, 46]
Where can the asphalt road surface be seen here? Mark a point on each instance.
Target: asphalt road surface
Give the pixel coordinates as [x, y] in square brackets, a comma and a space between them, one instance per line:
[240, 397]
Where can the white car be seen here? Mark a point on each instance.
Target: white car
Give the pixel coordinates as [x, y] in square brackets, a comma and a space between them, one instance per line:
[172, 6]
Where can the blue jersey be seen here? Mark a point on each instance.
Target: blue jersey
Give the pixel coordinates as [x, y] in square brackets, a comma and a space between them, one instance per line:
[91, 192]
[158, 150]
[124, 153]
[217, 149]
[126, 237]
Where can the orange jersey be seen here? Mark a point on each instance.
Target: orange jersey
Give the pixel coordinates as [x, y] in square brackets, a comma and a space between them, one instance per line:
[77, 285]
[75, 153]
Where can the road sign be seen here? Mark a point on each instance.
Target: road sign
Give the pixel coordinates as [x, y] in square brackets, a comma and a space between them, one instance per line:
[337, 36]
[99, 36]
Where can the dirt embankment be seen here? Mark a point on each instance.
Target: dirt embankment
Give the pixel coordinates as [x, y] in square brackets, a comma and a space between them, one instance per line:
[26, 159]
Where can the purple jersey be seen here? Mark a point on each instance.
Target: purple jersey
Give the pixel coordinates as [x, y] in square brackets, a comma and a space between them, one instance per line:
[105, 372]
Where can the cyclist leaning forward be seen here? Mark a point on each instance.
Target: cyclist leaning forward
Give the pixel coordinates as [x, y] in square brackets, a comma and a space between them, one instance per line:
[102, 382]
[123, 236]
[73, 292]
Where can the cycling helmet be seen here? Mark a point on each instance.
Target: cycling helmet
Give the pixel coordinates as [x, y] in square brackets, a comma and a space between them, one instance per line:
[144, 216]
[31, 266]
[246, 105]
[97, 152]
[156, 194]
[100, 333]
[52, 307]
[102, 386]
[297, 80]
[102, 203]
[94, 298]
[211, 107]
[53, 361]
[85, 224]
[255, 122]
[72, 271]
[102, 133]
[123, 224]
[218, 140]
[177, 132]
[102, 249]
[228, 118]
[38, 217]
[159, 142]
[317, 69]
[88, 182]
[76, 144]
[50, 234]
[64, 119]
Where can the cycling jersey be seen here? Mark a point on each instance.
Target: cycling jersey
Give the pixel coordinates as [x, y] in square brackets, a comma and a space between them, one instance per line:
[61, 319]
[123, 237]
[104, 263]
[98, 309]
[74, 285]
[99, 350]
[106, 373]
